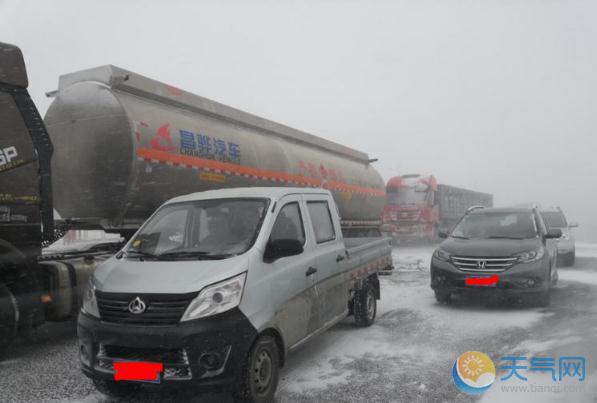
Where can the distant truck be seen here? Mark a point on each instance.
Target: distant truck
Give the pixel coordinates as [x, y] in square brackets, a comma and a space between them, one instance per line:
[418, 208]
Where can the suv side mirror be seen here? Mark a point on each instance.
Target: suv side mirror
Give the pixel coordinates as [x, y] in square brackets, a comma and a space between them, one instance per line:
[282, 248]
[553, 233]
[442, 234]
[573, 224]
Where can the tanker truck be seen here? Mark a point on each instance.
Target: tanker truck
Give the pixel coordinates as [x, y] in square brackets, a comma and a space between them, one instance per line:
[115, 145]
[418, 208]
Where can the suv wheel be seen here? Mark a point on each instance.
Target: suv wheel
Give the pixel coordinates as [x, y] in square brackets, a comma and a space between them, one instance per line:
[443, 297]
[543, 299]
[570, 258]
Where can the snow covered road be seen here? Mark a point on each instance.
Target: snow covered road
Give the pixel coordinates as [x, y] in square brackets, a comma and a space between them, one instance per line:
[405, 356]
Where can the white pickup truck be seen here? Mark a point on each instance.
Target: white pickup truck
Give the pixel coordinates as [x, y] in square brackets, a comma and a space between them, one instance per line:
[216, 287]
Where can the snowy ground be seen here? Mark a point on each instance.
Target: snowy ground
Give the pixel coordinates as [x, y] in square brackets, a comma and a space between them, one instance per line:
[406, 356]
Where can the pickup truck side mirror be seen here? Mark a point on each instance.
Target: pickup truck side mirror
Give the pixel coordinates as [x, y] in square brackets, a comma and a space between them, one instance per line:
[442, 234]
[553, 233]
[279, 248]
[573, 224]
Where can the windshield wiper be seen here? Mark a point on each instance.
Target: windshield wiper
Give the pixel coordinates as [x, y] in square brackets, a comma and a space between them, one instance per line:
[458, 236]
[201, 255]
[141, 254]
[504, 237]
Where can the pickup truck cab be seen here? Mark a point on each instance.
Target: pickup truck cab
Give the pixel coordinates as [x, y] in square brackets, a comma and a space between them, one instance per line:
[216, 287]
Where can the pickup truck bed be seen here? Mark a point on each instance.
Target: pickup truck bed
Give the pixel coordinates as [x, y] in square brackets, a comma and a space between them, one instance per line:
[372, 254]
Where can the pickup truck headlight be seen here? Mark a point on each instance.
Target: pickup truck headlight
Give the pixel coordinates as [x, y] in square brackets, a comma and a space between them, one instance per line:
[216, 298]
[89, 305]
[442, 255]
[531, 255]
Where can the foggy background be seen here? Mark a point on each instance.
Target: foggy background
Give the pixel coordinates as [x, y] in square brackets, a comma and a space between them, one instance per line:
[496, 96]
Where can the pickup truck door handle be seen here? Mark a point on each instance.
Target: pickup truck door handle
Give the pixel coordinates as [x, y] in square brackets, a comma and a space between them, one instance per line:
[339, 258]
[310, 271]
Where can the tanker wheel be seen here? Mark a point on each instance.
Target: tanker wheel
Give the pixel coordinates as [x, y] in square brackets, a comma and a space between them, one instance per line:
[9, 318]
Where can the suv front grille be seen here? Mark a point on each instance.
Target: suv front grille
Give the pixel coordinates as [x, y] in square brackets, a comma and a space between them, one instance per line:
[483, 264]
[160, 309]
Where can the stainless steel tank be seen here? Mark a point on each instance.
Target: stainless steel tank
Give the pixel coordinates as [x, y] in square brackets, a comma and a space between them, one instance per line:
[123, 144]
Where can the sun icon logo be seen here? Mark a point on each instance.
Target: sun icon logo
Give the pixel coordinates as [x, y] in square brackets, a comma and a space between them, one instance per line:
[473, 372]
[472, 366]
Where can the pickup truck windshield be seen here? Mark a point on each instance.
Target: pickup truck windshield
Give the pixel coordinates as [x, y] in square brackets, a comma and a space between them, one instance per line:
[204, 229]
[496, 225]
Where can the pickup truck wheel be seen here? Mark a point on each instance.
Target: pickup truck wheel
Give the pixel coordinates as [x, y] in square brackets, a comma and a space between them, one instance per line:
[260, 372]
[9, 318]
[117, 389]
[365, 306]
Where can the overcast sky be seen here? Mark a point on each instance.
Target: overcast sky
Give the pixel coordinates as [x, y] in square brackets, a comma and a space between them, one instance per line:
[497, 96]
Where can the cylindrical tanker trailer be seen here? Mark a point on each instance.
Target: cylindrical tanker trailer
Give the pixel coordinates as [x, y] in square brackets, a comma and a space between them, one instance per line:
[125, 143]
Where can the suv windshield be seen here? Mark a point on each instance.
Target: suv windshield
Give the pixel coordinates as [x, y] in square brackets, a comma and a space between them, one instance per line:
[216, 228]
[496, 225]
[554, 219]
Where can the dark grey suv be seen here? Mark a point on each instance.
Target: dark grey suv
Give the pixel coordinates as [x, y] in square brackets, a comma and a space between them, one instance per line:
[508, 251]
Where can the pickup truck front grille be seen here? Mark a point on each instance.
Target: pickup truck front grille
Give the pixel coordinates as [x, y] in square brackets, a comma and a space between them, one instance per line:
[483, 264]
[170, 356]
[160, 309]
[176, 361]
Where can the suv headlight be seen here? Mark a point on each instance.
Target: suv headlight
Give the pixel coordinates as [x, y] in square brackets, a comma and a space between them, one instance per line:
[89, 305]
[442, 255]
[531, 255]
[216, 298]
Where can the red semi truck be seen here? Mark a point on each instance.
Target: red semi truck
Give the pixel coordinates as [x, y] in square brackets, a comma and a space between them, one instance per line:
[418, 208]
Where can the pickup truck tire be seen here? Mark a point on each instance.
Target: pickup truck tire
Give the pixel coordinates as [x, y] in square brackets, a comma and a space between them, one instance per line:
[9, 317]
[365, 306]
[260, 372]
[117, 389]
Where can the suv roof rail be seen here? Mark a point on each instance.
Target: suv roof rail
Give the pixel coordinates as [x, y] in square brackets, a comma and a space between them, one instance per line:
[477, 207]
